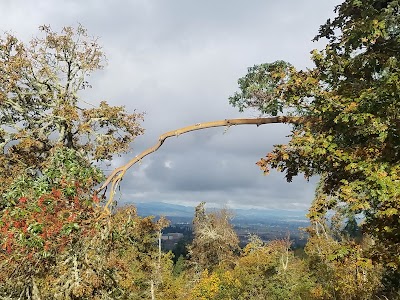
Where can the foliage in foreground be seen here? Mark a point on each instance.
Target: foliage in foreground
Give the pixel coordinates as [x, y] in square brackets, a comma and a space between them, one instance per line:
[119, 258]
[350, 135]
[56, 245]
[40, 107]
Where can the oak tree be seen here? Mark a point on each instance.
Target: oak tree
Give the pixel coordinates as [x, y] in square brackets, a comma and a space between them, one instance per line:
[40, 105]
[49, 141]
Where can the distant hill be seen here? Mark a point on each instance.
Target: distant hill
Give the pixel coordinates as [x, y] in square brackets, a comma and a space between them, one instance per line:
[183, 213]
[164, 209]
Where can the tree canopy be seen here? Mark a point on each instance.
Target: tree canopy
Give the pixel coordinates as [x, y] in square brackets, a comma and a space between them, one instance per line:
[40, 106]
[350, 135]
[345, 112]
[50, 139]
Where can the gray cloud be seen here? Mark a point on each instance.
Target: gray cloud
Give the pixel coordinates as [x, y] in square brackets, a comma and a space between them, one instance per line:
[179, 61]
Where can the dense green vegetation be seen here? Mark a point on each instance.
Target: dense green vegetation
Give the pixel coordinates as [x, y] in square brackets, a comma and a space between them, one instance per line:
[57, 242]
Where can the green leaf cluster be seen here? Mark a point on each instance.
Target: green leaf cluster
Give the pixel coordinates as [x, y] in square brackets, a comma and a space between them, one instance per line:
[350, 101]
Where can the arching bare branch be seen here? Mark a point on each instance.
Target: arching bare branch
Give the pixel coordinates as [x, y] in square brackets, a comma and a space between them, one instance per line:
[116, 176]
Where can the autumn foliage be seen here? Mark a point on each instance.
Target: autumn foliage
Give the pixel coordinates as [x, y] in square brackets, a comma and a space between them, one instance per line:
[350, 103]
[56, 242]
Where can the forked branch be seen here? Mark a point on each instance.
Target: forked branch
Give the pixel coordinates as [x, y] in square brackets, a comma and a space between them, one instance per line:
[116, 176]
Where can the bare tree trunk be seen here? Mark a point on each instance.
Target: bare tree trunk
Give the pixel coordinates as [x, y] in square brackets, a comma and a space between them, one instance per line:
[159, 249]
[35, 290]
[285, 259]
[153, 297]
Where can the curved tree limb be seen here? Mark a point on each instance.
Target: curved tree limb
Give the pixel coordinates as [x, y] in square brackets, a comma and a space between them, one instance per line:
[116, 176]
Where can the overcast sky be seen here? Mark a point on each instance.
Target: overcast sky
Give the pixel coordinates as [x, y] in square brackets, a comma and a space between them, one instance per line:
[179, 61]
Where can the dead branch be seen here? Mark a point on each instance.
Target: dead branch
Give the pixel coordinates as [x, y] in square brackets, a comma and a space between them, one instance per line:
[116, 176]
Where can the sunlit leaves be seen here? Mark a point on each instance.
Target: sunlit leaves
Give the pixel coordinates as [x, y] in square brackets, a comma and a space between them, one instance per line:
[40, 107]
[352, 100]
[49, 139]
[341, 268]
[215, 241]
[261, 87]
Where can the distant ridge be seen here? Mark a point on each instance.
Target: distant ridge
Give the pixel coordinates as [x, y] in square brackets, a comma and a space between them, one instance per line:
[240, 215]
